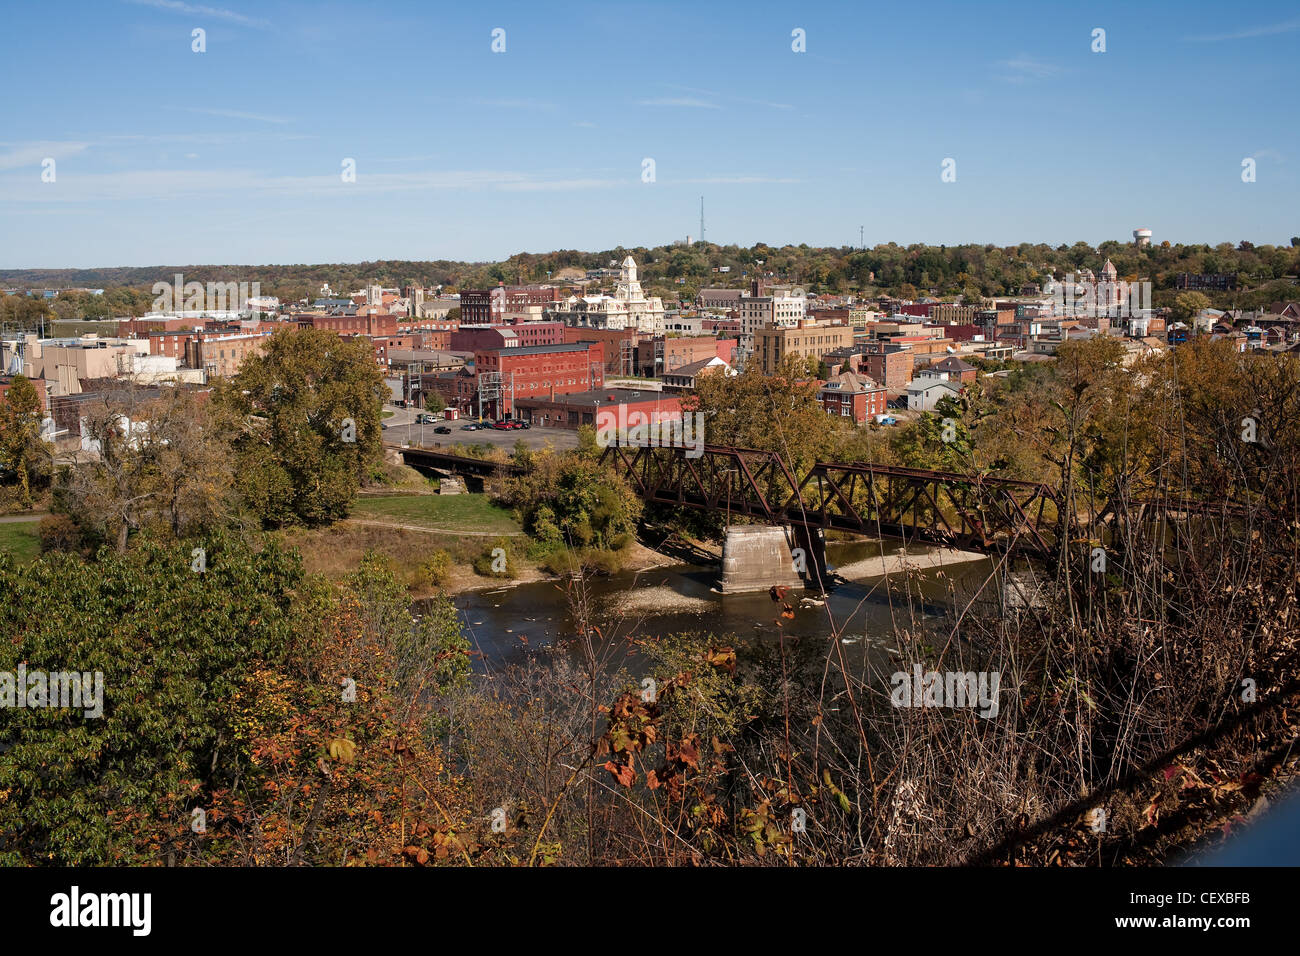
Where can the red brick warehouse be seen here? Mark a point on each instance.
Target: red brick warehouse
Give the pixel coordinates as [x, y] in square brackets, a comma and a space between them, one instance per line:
[536, 371]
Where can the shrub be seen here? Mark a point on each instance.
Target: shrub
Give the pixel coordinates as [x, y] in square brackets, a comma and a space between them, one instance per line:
[496, 561]
[435, 571]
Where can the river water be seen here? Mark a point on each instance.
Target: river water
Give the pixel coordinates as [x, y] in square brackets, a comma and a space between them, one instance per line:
[504, 624]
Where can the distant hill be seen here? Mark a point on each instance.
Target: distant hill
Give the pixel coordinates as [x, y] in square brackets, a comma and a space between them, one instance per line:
[678, 269]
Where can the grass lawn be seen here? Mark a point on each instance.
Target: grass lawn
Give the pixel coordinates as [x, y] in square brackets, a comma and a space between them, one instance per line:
[450, 512]
[20, 538]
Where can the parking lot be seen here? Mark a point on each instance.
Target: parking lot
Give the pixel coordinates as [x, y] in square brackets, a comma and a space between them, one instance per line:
[424, 436]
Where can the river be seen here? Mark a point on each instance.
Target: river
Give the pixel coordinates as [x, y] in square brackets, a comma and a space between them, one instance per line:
[504, 624]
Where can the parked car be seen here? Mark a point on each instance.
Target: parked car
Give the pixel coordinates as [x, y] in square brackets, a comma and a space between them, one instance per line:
[471, 427]
[502, 426]
[442, 430]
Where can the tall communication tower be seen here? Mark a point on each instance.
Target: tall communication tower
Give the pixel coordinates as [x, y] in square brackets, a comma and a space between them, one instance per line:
[701, 219]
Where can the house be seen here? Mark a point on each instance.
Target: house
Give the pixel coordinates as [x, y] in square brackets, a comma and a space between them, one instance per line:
[954, 369]
[924, 394]
[1238, 339]
[684, 376]
[853, 396]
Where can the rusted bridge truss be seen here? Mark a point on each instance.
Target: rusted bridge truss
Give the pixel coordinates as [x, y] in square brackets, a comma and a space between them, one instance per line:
[976, 513]
[444, 461]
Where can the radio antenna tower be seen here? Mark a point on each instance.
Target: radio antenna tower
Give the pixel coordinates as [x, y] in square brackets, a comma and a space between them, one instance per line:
[701, 219]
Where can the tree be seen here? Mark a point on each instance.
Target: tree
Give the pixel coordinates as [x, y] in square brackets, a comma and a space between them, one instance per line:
[161, 460]
[309, 407]
[295, 716]
[23, 454]
[571, 500]
[1189, 304]
[777, 412]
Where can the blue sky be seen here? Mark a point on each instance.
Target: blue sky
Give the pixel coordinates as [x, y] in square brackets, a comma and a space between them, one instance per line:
[167, 156]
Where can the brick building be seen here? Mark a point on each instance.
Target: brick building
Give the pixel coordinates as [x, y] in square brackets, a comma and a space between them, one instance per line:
[660, 355]
[581, 408]
[372, 323]
[728, 299]
[506, 375]
[223, 353]
[955, 370]
[773, 344]
[37, 383]
[728, 326]
[620, 346]
[853, 397]
[489, 306]
[890, 365]
[473, 338]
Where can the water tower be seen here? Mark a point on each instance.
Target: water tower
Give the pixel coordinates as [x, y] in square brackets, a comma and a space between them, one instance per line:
[1141, 237]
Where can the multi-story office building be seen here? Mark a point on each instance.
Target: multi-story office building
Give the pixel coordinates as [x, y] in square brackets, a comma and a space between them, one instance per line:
[774, 343]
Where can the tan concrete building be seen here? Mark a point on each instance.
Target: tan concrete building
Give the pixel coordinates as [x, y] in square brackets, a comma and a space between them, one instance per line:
[772, 345]
[66, 363]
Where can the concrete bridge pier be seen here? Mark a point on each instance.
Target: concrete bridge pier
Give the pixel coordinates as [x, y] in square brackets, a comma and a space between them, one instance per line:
[812, 542]
[756, 556]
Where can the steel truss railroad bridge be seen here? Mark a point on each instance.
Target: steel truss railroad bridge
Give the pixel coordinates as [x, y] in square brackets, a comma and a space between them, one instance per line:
[973, 512]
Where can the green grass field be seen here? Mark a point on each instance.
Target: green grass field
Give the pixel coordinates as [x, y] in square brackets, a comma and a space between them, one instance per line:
[20, 538]
[451, 512]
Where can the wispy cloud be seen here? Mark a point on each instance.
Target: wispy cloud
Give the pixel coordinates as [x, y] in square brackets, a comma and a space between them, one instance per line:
[32, 154]
[405, 159]
[560, 185]
[198, 10]
[507, 103]
[689, 102]
[239, 114]
[737, 180]
[1287, 26]
[1024, 68]
[748, 100]
[194, 184]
